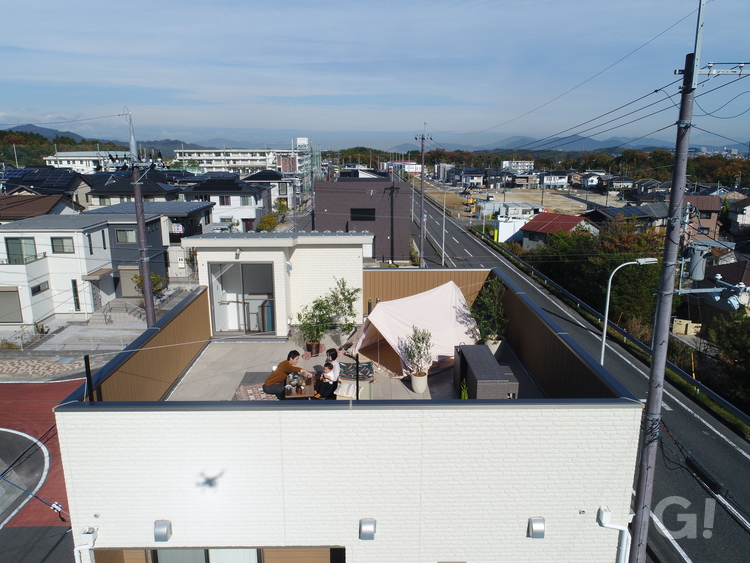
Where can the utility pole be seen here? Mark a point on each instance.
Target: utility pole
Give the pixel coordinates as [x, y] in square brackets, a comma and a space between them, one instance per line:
[422, 215]
[652, 414]
[144, 262]
[392, 189]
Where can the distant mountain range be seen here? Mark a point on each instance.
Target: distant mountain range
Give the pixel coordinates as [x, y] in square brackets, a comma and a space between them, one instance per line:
[49, 134]
[522, 144]
[166, 146]
[564, 144]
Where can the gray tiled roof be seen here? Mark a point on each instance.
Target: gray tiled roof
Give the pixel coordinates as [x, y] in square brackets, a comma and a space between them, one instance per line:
[169, 208]
[70, 222]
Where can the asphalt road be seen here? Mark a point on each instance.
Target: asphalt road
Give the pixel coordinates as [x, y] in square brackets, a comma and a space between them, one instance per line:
[696, 527]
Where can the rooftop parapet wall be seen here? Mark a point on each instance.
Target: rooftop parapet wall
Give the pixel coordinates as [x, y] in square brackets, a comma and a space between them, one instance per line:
[454, 481]
[152, 363]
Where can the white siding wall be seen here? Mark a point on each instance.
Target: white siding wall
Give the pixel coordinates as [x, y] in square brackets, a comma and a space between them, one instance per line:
[58, 270]
[444, 483]
[316, 269]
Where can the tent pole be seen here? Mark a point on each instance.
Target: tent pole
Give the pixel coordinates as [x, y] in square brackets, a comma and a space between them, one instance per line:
[357, 394]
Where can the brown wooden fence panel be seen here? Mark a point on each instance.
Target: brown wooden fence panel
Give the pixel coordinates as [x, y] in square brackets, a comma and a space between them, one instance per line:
[148, 373]
[394, 283]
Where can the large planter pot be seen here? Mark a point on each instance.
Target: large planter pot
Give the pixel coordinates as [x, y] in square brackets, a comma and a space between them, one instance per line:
[315, 348]
[496, 347]
[419, 382]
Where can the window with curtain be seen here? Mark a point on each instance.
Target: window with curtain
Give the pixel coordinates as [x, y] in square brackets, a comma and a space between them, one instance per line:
[20, 250]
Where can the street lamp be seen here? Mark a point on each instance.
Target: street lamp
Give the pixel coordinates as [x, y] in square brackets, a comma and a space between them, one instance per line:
[637, 261]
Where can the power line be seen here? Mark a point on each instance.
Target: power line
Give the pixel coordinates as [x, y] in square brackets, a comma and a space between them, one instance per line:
[67, 121]
[580, 84]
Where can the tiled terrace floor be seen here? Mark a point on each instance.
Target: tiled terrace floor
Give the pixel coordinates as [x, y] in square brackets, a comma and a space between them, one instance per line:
[221, 368]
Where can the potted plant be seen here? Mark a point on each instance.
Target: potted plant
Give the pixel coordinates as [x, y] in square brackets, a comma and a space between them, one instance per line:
[416, 350]
[487, 311]
[331, 313]
[341, 300]
[314, 321]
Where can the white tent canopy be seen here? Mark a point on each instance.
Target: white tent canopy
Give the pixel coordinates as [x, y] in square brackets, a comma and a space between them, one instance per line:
[443, 311]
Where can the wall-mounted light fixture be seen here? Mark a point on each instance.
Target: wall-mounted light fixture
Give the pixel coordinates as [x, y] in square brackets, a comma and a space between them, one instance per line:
[536, 528]
[367, 529]
[237, 253]
[162, 530]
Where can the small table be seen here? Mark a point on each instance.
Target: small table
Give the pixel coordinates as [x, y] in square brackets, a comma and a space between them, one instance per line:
[296, 393]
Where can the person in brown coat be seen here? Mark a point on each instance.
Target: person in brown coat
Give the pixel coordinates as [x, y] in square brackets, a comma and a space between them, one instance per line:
[276, 382]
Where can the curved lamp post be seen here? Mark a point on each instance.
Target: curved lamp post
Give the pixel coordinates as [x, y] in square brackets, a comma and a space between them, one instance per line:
[637, 261]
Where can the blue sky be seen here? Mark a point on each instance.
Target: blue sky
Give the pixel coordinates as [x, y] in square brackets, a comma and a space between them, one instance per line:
[346, 73]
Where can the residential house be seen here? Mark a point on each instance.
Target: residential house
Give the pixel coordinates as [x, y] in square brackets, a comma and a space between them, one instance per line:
[574, 177]
[527, 479]
[497, 179]
[67, 267]
[179, 219]
[739, 216]
[405, 166]
[47, 180]
[441, 171]
[467, 178]
[517, 210]
[703, 223]
[535, 232]
[648, 216]
[517, 166]
[237, 203]
[118, 188]
[277, 187]
[526, 181]
[620, 183]
[553, 180]
[15, 207]
[380, 207]
[646, 186]
[590, 180]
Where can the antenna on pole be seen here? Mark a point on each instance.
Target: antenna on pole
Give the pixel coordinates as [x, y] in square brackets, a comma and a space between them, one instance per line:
[144, 261]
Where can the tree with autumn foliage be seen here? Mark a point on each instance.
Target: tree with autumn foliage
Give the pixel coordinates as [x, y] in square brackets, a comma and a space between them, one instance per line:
[731, 335]
[582, 263]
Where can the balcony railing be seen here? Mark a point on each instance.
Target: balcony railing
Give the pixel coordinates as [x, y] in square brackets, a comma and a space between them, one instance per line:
[23, 260]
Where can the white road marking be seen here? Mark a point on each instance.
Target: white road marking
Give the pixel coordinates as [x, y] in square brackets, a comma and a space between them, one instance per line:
[663, 404]
[454, 238]
[469, 253]
[667, 535]
[42, 478]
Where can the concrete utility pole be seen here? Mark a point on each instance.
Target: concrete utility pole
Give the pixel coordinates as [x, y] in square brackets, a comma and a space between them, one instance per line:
[652, 415]
[422, 215]
[144, 262]
[392, 189]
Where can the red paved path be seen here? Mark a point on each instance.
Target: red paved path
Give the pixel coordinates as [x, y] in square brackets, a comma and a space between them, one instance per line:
[27, 407]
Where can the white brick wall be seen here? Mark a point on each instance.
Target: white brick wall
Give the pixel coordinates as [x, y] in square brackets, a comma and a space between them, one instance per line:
[445, 483]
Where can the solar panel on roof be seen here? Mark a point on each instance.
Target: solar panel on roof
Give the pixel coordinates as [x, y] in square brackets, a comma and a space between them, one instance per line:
[15, 173]
[630, 211]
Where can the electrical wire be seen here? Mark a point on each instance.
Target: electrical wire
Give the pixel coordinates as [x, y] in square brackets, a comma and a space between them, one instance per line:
[67, 121]
[579, 84]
